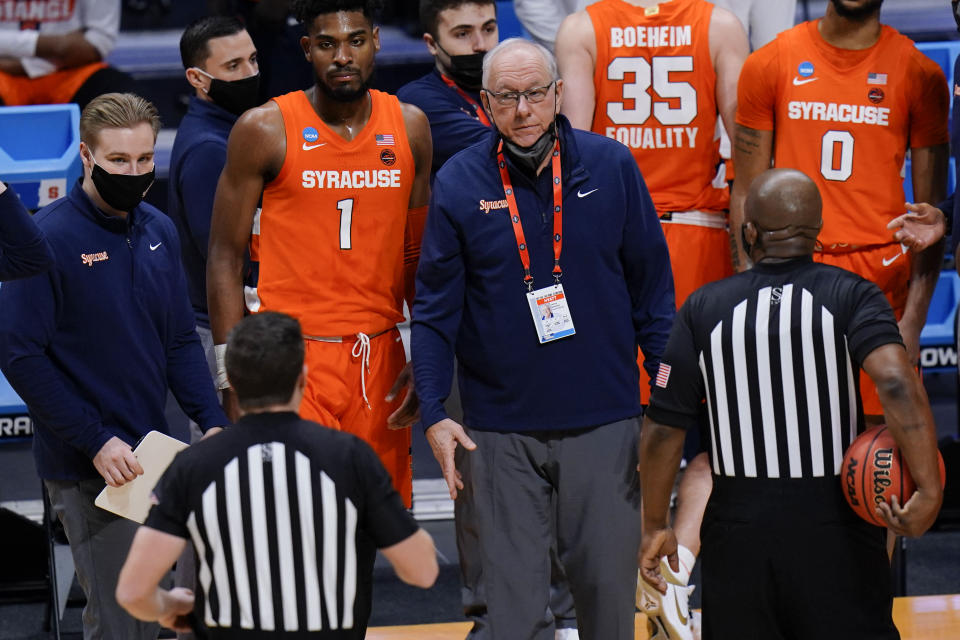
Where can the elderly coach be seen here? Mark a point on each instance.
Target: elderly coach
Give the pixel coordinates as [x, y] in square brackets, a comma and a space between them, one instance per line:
[541, 217]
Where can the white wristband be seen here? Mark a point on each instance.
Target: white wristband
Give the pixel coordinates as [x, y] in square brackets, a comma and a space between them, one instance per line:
[220, 352]
[19, 44]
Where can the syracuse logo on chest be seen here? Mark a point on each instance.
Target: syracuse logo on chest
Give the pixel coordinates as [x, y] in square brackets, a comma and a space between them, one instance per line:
[372, 167]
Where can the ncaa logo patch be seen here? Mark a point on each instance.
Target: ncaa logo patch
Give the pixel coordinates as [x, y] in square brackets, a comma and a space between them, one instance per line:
[388, 157]
[310, 134]
[805, 69]
[876, 95]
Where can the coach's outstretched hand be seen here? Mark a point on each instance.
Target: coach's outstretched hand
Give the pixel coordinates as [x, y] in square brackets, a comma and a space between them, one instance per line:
[443, 437]
[116, 463]
[408, 413]
[921, 227]
[655, 545]
[913, 518]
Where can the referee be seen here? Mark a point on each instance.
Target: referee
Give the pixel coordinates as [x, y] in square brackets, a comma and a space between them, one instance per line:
[774, 353]
[284, 514]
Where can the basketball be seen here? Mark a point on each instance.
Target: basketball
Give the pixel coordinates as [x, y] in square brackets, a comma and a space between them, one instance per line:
[873, 472]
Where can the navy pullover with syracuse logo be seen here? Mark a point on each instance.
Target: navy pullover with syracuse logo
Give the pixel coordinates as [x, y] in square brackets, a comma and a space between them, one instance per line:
[471, 298]
[92, 346]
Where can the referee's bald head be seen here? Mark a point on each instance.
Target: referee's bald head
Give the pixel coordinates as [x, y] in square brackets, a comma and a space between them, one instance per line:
[783, 215]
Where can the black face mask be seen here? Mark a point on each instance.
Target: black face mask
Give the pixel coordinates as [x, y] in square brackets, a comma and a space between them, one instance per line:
[236, 96]
[120, 191]
[747, 247]
[466, 70]
[529, 158]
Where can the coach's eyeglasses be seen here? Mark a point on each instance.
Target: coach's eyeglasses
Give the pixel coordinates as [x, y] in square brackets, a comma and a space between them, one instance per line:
[512, 98]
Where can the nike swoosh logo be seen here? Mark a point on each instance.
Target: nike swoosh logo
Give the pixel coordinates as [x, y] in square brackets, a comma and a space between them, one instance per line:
[680, 613]
[308, 147]
[584, 195]
[888, 261]
[798, 81]
[154, 247]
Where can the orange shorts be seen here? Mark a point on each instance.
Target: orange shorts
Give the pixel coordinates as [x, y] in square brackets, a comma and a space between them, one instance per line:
[698, 255]
[889, 268]
[58, 87]
[334, 397]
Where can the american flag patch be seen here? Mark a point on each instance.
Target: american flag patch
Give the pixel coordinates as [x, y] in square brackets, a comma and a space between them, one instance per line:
[663, 375]
[876, 78]
[384, 139]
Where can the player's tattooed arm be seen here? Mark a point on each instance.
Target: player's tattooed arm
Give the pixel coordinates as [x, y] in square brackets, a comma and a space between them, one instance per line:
[576, 59]
[752, 155]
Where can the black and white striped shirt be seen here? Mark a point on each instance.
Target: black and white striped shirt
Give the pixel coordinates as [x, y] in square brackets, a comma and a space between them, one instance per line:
[285, 516]
[769, 360]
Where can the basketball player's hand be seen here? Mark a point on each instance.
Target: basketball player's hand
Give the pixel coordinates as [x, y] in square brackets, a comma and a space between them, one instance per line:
[116, 463]
[443, 437]
[177, 605]
[655, 545]
[922, 226]
[231, 406]
[408, 413]
[913, 518]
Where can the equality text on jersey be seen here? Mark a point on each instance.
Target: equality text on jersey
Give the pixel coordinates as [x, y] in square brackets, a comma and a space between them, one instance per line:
[655, 36]
[356, 179]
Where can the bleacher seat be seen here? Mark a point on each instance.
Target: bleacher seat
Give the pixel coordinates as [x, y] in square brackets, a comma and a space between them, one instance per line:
[39, 151]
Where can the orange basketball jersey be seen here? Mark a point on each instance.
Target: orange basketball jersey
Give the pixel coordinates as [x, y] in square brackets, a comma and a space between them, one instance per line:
[331, 227]
[846, 119]
[656, 93]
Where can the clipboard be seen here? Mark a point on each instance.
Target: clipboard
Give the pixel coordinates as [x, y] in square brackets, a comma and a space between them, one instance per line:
[155, 452]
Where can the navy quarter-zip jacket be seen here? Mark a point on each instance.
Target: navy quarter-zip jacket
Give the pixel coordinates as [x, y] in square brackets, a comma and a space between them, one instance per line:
[471, 301]
[93, 345]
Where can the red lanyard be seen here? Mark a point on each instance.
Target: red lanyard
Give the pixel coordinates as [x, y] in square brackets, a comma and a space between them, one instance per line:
[515, 215]
[477, 109]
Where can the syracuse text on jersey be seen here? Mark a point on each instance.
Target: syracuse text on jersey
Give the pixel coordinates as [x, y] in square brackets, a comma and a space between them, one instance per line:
[35, 10]
[833, 112]
[365, 179]
[681, 108]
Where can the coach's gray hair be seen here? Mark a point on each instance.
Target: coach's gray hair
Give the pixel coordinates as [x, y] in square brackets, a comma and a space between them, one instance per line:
[511, 43]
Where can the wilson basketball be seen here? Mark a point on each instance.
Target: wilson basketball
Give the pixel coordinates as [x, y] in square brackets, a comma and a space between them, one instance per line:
[873, 472]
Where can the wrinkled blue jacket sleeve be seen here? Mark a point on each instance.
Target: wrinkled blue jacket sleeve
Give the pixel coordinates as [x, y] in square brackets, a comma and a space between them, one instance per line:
[437, 310]
[646, 265]
[23, 249]
[27, 326]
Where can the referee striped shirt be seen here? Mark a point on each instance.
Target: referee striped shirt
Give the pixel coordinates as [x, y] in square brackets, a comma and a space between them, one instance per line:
[282, 513]
[769, 361]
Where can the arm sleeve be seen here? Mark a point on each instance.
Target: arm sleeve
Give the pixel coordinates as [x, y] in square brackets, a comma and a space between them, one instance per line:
[384, 517]
[199, 174]
[171, 503]
[101, 23]
[187, 373]
[872, 323]
[412, 237]
[929, 106]
[757, 91]
[19, 44]
[437, 310]
[678, 394]
[27, 326]
[646, 266]
[23, 249]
